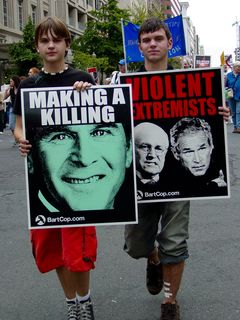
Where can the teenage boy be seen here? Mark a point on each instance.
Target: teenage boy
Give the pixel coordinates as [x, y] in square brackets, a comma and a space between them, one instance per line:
[70, 251]
[165, 262]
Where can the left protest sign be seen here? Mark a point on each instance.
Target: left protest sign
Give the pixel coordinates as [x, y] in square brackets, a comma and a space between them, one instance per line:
[80, 169]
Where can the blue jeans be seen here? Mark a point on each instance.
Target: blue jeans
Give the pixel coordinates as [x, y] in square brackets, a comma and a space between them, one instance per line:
[235, 110]
[12, 119]
[1, 120]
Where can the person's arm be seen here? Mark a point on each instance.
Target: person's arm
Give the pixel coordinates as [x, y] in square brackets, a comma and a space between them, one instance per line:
[1, 98]
[6, 93]
[24, 145]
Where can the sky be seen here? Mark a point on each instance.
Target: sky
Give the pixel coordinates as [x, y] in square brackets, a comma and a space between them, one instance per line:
[213, 21]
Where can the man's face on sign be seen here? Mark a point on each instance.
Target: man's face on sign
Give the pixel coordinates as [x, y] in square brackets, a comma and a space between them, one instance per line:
[195, 152]
[155, 45]
[151, 148]
[83, 167]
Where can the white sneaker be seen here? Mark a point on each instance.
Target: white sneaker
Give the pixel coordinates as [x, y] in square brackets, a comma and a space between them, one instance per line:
[85, 310]
[72, 310]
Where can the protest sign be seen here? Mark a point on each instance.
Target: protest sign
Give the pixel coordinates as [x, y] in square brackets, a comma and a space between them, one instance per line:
[80, 169]
[202, 61]
[180, 139]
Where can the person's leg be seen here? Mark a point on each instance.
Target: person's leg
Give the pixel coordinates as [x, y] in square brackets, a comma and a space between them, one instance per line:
[76, 289]
[73, 282]
[79, 254]
[140, 238]
[232, 106]
[140, 241]
[12, 123]
[173, 237]
[154, 256]
[238, 116]
[72, 253]
[173, 252]
[172, 275]
[1, 121]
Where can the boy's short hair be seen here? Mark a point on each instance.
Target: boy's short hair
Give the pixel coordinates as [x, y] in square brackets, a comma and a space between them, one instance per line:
[56, 27]
[152, 25]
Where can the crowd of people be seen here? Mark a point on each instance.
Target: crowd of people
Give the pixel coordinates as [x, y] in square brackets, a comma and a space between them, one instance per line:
[162, 230]
[7, 100]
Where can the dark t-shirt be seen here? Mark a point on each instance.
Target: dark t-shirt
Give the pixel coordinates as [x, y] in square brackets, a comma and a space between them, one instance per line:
[12, 96]
[143, 69]
[66, 78]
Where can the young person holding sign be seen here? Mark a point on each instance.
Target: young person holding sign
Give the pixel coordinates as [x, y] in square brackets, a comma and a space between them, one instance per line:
[165, 261]
[70, 251]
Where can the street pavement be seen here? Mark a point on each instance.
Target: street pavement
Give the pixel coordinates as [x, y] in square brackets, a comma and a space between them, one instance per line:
[211, 282]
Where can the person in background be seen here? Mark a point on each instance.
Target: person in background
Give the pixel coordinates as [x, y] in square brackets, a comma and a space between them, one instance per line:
[12, 92]
[33, 71]
[107, 81]
[69, 251]
[116, 74]
[1, 112]
[22, 78]
[233, 82]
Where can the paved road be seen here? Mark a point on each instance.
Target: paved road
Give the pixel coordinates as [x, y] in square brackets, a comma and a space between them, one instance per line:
[210, 287]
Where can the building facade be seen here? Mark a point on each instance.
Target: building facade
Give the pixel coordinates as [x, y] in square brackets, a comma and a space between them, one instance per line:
[170, 8]
[14, 15]
[192, 39]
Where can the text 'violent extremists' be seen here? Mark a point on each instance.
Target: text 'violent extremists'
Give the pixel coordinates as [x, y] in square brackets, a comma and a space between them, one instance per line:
[69, 107]
[173, 95]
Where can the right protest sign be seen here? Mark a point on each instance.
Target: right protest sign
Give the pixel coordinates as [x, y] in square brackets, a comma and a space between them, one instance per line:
[180, 139]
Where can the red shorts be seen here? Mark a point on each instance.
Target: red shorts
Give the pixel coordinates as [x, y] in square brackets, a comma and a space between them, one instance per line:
[73, 248]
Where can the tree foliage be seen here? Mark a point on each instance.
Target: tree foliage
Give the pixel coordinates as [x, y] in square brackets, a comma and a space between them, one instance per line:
[83, 61]
[103, 34]
[140, 12]
[23, 53]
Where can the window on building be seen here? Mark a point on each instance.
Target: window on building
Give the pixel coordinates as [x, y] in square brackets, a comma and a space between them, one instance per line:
[20, 15]
[45, 13]
[98, 4]
[34, 14]
[90, 3]
[71, 16]
[81, 21]
[5, 13]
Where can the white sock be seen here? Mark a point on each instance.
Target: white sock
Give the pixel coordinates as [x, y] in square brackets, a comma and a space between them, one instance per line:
[83, 298]
[74, 300]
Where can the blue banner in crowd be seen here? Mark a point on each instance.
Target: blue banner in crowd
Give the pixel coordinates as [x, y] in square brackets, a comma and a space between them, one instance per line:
[130, 37]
